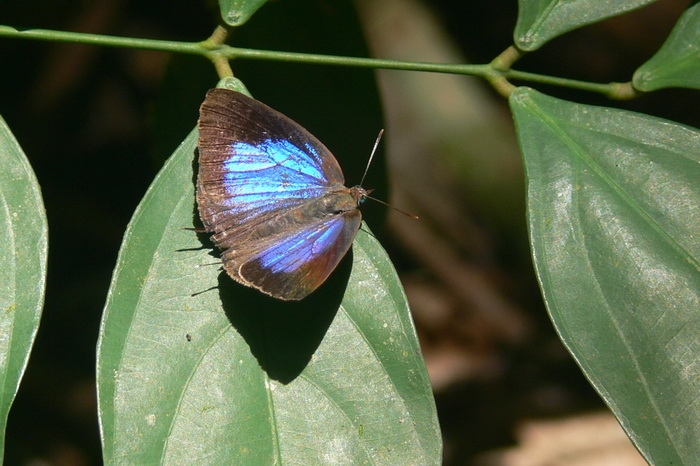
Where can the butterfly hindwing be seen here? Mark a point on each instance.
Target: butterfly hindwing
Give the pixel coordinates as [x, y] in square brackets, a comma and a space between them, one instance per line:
[300, 263]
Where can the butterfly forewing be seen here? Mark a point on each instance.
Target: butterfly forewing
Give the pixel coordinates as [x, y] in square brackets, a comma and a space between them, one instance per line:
[228, 117]
[273, 196]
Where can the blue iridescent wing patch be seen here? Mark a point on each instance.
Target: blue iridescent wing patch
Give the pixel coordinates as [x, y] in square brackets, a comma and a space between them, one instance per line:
[273, 196]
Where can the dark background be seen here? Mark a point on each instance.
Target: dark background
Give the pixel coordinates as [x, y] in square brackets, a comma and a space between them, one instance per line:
[97, 124]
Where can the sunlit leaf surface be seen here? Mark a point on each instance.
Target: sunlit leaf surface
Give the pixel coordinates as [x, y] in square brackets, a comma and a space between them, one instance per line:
[231, 376]
[24, 240]
[614, 210]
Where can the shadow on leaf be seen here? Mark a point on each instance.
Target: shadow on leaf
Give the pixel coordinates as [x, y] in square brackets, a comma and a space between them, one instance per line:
[283, 335]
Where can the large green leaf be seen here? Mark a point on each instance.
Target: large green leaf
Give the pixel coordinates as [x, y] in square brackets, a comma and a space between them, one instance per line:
[24, 240]
[677, 63]
[231, 376]
[237, 12]
[614, 214]
[541, 20]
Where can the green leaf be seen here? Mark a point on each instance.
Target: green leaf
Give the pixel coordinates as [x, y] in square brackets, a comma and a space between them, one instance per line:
[677, 63]
[231, 376]
[237, 12]
[541, 20]
[614, 210]
[24, 239]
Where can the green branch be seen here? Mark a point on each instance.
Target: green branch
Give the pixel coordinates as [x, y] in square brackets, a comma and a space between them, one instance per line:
[105, 41]
[215, 52]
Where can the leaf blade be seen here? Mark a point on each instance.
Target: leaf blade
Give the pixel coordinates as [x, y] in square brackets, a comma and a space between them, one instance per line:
[231, 374]
[613, 208]
[676, 64]
[238, 12]
[23, 260]
[542, 20]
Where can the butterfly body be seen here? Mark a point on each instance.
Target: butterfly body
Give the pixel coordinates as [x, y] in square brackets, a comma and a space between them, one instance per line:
[273, 196]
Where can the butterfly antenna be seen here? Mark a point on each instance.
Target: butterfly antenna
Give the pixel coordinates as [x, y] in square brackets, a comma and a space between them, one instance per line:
[371, 156]
[407, 214]
[369, 162]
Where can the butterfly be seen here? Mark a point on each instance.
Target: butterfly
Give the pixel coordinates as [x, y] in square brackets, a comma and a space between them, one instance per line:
[273, 196]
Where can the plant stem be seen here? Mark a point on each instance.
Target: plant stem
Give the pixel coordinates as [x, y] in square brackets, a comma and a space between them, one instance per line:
[607, 89]
[214, 52]
[105, 41]
[295, 57]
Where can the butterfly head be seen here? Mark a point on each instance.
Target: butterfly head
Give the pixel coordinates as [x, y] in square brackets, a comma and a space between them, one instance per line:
[360, 194]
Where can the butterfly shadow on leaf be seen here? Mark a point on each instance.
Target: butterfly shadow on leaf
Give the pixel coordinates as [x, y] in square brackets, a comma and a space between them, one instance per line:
[283, 335]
